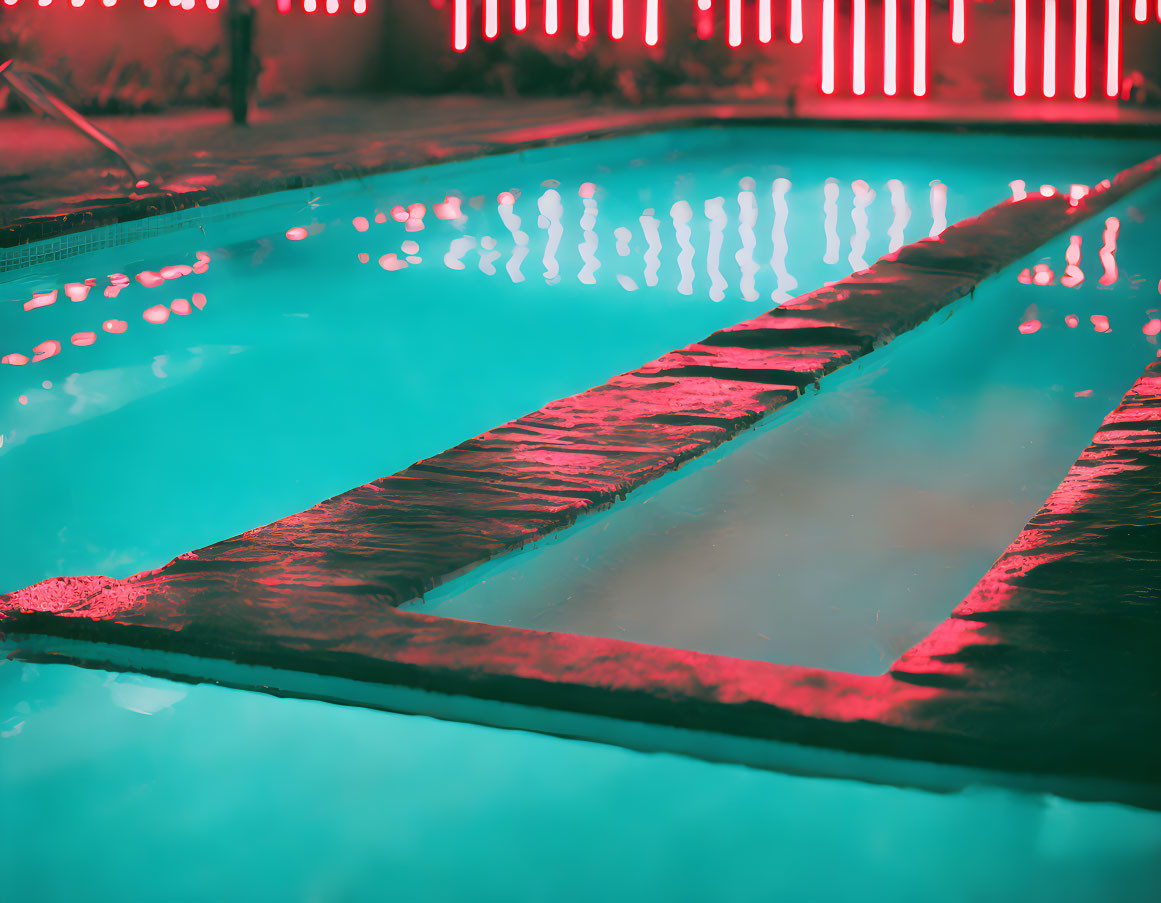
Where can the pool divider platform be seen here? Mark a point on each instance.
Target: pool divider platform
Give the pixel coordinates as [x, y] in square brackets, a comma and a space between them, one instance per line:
[1049, 667]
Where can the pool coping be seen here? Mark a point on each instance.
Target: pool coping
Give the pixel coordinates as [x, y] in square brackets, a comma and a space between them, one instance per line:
[961, 697]
[185, 203]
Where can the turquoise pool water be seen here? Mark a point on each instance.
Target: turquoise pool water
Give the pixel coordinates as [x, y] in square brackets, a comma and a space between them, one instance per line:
[123, 789]
[308, 372]
[847, 526]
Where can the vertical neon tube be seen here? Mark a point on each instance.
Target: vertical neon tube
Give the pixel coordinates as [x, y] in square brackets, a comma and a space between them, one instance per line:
[734, 25]
[890, 46]
[1020, 48]
[584, 18]
[705, 19]
[828, 46]
[796, 21]
[652, 28]
[957, 28]
[519, 15]
[460, 26]
[765, 22]
[1140, 10]
[617, 20]
[332, 6]
[1113, 50]
[551, 16]
[1049, 48]
[859, 50]
[919, 50]
[360, 7]
[1080, 52]
[282, 5]
[491, 19]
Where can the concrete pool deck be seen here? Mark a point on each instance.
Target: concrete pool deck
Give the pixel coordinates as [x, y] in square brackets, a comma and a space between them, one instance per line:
[54, 182]
[1019, 678]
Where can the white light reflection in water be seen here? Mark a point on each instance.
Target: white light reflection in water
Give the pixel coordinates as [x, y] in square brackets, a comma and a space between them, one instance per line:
[488, 255]
[682, 213]
[786, 282]
[623, 237]
[649, 229]
[747, 219]
[715, 212]
[519, 237]
[588, 248]
[551, 214]
[864, 195]
[454, 258]
[1108, 252]
[830, 195]
[938, 208]
[901, 214]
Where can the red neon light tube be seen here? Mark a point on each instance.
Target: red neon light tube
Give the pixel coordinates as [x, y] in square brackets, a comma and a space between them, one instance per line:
[890, 42]
[796, 21]
[1113, 50]
[1140, 10]
[460, 26]
[491, 19]
[957, 28]
[1080, 52]
[652, 28]
[551, 16]
[859, 50]
[919, 50]
[734, 23]
[584, 18]
[765, 21]
[520, 15]
[828, 46]
[1020, 48]
[617, 20]
[1049, 48]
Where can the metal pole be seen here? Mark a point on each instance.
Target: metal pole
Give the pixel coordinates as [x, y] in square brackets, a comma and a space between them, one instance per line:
[240, 35]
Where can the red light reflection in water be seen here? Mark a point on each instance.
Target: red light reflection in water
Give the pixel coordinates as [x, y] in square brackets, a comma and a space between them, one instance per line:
[1100, 323]
[199, 300]
[23, 399]
[391, 263]
[40, 299]
[1042, 274]
[114, 326]
[14, 360]
[1018, 192]
[1152, 327]
[80, 339]
[381, 217]
[1072, 320]
[77, 291]
[361, 223]
[150, 279]
[1025, 277]
[364, 257]
[1030, 326]
[298, 233]
[157, 314]
[180, 306]
[1108, 251]
[448, 208]
[45, 350]
[1073, 276]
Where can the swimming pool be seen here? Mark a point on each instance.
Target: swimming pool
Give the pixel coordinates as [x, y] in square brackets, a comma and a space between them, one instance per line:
[308, 372]
[325, 800]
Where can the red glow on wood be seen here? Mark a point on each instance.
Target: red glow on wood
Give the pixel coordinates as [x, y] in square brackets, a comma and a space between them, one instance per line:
[1049, 84]
[827, 46]
[1113, 49]
[919, 50]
